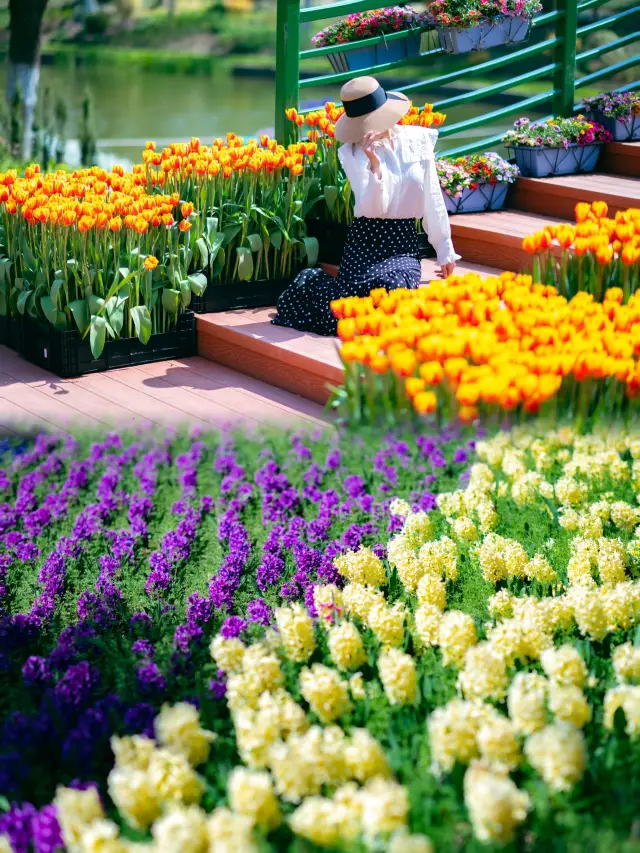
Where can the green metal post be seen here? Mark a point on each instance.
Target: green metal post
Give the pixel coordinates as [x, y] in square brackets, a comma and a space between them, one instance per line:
[287, 65]
[565, 57]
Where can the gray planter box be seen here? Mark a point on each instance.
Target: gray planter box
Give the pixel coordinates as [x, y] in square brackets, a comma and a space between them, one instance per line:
[484, 197]
[621, 130]
[544, 162]
[361, 58]
[506, 29]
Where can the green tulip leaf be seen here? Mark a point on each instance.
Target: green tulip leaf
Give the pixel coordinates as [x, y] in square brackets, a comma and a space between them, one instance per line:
[27, 254]
[211, 226]
[5, 270]
[312, 249]
[230, 233]
[276, 240]
[80, 312]
[330, 196]
[255, 242]
[95, 303]
[203, 251]
[198, 283]
[97, 336]
[185, 290]
[245, 263]
[171, 300]
[4, 298]
[56, 288]
[142, 322]
[22, 300]
[49, 309]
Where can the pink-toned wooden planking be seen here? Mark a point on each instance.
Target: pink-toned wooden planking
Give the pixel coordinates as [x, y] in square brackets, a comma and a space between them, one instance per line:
[191, 391]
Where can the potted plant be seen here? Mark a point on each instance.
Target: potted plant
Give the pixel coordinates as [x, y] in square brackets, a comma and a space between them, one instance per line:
[559, 146]
[398, 26]
[251, 198]
[94, 270]
[466, 25]
[618, 112]
[475, 183]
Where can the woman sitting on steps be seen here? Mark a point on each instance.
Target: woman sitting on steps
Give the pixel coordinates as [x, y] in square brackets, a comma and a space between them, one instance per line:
[392, 172]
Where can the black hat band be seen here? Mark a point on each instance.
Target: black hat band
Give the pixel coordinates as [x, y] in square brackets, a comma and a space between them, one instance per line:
[368, 103]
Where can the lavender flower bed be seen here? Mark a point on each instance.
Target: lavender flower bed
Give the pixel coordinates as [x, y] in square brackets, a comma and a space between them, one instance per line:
[121, 558]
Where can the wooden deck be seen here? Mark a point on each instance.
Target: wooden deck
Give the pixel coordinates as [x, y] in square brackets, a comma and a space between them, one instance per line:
[191, 391]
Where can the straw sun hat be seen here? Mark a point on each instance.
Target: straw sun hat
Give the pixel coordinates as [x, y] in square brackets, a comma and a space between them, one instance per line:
[367, 108]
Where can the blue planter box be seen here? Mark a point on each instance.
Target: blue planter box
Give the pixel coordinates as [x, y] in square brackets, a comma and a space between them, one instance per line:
[484, 197]
[378, 54]
[505, 29]
[621, 130]
[546, 162]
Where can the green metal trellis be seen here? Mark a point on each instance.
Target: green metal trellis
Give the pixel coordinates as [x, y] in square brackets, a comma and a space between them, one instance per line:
[555, 37]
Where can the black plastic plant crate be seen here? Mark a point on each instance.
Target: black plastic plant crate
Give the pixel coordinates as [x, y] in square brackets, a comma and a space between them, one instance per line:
[235, 295]
[67, 354]
[11, 334]
[331, 237]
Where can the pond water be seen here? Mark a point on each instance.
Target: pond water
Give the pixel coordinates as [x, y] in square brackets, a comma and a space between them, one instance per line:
[131, 105]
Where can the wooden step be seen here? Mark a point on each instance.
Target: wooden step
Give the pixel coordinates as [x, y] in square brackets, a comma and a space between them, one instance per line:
[299, 362]
[621, 158]
[495, 239]
[560, 195]
[246, 341]
[430, 269]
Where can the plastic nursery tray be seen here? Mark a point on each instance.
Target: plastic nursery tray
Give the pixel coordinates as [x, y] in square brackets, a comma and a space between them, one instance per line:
[67, 354]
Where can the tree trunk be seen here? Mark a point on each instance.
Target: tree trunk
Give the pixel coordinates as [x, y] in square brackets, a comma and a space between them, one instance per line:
[25, 22]
[171, 7]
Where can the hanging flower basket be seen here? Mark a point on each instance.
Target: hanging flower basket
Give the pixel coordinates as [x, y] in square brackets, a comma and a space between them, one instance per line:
[490, 32]
[617, 112]
[377, 54]
[475, 183]
[559, 146]
[364, 27]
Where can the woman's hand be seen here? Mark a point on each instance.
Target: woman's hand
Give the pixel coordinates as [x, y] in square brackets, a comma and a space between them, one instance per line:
[369, 144]
[447, 269]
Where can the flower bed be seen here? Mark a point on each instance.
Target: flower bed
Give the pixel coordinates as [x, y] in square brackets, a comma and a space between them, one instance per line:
[559, 146]
[475, 348]
[617, 112]
[595, 254]
[476, 182]
[126, 555]
[470, 679]
[367, 25]
[467, 25]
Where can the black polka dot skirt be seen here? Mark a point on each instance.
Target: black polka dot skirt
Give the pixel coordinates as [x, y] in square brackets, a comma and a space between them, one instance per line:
[377, 253]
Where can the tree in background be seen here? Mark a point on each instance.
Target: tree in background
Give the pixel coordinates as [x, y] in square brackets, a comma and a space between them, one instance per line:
[25, 23]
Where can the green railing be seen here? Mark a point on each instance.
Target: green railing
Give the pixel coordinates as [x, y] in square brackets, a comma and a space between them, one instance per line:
[554, 38]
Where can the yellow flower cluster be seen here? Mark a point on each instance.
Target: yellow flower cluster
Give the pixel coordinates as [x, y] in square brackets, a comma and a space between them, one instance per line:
[155, 787]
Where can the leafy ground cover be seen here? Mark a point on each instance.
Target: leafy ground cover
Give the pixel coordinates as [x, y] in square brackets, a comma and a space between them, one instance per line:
[432, 646]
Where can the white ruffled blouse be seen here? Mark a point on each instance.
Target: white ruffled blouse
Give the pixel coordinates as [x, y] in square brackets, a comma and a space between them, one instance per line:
[408, 187]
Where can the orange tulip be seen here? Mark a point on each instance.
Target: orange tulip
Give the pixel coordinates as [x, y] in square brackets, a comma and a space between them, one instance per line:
[425, 402]
[150, 262]
[184, 226]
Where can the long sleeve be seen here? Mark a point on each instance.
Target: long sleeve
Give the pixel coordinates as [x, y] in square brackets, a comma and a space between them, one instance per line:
[435, 220]
[372, 194]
